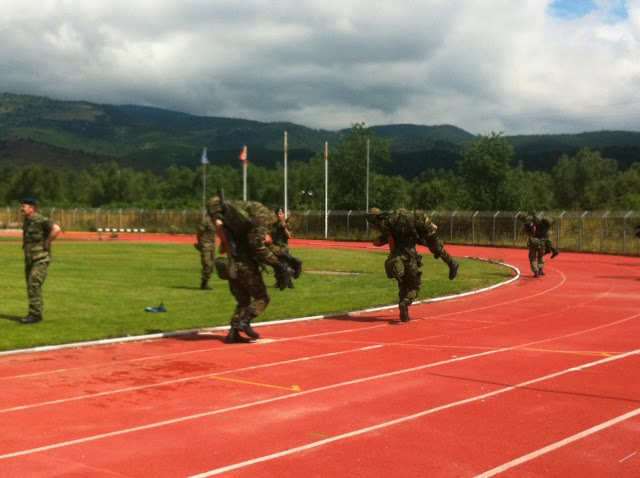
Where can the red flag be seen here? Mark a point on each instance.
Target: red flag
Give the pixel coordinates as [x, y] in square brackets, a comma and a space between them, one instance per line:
[243, 155]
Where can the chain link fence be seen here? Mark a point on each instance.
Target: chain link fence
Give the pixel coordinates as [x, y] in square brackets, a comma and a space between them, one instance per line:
[609, 232]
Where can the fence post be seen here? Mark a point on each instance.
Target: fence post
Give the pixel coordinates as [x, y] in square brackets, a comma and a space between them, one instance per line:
[451, 226]
[515, 228]
[602, 220]
[559, 231]
[624, 231]
[473, 227]
[348, 214]
[581, 227]
[493, 233]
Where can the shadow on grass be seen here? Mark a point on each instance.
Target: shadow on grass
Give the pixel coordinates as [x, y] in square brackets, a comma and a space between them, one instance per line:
[14, 318]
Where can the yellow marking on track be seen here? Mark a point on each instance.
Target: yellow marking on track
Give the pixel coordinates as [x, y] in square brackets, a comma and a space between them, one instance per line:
[293, 388]
[573, 352]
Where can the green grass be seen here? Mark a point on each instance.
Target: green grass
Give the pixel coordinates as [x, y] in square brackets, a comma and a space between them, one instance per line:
[99, 290]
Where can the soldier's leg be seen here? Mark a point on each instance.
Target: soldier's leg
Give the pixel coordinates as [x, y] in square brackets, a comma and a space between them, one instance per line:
[243, 299]
[258, 290]
[533, 260]
[410, 287]
[437, 249]
[540, 254]
[207, 260]
[36, 280]
[36, 274]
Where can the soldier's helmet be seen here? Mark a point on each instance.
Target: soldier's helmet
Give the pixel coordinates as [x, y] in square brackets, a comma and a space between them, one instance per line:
[214, 206]
[373, 215]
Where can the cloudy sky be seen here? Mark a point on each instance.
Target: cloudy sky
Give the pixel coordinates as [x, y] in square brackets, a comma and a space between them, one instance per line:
[511, 66]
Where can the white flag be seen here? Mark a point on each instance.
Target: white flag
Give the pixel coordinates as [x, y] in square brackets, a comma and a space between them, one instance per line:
[204, 159]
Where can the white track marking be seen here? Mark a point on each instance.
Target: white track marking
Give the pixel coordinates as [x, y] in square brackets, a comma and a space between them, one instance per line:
[428, 412]
[343, 384]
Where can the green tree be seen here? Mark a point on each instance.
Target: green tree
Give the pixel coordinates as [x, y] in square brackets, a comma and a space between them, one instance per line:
[586, 181]
[348, 167]
[485, 174]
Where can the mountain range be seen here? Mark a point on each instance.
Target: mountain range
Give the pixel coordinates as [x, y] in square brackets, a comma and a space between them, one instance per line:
[44, 131]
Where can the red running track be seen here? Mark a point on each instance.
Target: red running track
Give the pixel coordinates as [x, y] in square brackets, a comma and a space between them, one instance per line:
[535, 378]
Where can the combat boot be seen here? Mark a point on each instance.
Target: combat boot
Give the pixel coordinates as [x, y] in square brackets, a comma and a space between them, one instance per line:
[403, 307]
[541, 272]
[554, 252]
[295, 263]
[234, 337]
[283, 274]
[536, 274]
[205, 285]
[244, 325]
[453, 270]
[31, 319]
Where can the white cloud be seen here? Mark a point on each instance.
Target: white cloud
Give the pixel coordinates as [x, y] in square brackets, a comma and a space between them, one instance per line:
[497, 65]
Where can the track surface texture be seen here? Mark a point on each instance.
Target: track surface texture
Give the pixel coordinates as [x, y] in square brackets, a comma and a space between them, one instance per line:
[537, 378]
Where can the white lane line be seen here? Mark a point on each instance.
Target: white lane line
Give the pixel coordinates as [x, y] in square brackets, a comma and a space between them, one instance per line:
[558, 444]
[414, 416]
[181, 380]
[328, 387]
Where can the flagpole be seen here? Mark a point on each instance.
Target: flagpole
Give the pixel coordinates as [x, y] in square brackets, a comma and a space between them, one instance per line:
[326, 189]
[243, 158]
[366, 206]
[204, 161]
[286, 206]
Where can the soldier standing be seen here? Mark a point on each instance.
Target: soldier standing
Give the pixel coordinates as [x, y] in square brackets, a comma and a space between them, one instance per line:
[206, 236]
[403, 230]
[38, 232]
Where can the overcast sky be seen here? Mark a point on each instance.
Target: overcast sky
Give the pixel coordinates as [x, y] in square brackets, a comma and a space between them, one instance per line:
[510, 66]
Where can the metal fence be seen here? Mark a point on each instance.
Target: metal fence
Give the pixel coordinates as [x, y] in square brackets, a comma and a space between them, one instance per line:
[610, 232]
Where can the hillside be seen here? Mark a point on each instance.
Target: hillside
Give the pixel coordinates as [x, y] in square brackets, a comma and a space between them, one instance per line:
[38, 130]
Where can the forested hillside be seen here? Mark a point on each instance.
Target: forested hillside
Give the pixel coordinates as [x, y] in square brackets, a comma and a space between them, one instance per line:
[37, 130]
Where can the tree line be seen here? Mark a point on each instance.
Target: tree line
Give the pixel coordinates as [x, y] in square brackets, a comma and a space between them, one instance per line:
[486, 177]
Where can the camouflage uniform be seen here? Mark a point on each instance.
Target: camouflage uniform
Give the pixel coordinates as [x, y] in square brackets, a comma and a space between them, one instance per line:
[246, 225]
[206, 235]
[280, 248]
[403, 230]
[36, 259]
[248, 289]
[535, 245]
[542, 232]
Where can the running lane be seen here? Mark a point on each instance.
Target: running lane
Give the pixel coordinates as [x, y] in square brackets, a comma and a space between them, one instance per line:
[535, 378]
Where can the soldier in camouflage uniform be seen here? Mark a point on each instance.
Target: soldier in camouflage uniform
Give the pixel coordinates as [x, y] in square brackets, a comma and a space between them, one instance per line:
[542, 230]
[243, 229]
[535, 245]
[206, 235]
[280, 236]
[38, 232]
[403, 230]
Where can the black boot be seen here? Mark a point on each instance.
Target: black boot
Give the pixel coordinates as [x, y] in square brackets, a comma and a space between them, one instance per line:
[244, 325]
[204, 285]
[283, 274]
[31, 319]
[554, 252]
[540, 272]
[453, 270]
[295, 263]
[291, 286]
[403, 307]
[234, 337]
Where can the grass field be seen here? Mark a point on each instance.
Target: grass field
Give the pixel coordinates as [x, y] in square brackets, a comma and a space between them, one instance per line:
[99, 290]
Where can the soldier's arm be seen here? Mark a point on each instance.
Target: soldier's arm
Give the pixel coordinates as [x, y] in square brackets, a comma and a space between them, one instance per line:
[55, 231]
[224, 242]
